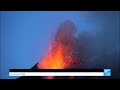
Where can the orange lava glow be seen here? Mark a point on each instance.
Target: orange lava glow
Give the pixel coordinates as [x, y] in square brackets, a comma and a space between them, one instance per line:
[60, 53]
[54, 60]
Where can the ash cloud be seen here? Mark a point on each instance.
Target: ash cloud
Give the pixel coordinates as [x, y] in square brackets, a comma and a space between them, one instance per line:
[99, 50]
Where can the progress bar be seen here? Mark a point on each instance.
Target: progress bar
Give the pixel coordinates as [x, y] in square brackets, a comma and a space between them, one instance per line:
[104, 72]
[56, 74]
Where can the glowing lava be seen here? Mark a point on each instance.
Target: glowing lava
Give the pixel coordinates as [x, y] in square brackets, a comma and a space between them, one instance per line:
[53, 60]
[60, 54]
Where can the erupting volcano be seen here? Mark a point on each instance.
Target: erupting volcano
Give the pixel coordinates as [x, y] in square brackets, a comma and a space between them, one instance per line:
[61, 53]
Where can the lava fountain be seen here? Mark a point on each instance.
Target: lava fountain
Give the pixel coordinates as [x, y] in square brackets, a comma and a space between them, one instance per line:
[60, 54]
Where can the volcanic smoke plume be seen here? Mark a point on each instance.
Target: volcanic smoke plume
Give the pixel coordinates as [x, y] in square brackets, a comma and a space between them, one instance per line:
[64, 50]
[69, 52]
[93, 49]
[61, 54]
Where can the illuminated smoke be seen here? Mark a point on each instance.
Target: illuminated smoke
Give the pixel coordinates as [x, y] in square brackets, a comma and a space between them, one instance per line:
[60, 54]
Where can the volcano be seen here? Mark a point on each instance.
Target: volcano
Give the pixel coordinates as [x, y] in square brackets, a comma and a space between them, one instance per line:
[62, 53]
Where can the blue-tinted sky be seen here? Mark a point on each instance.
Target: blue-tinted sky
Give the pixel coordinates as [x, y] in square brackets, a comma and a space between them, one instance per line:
[25, 34]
